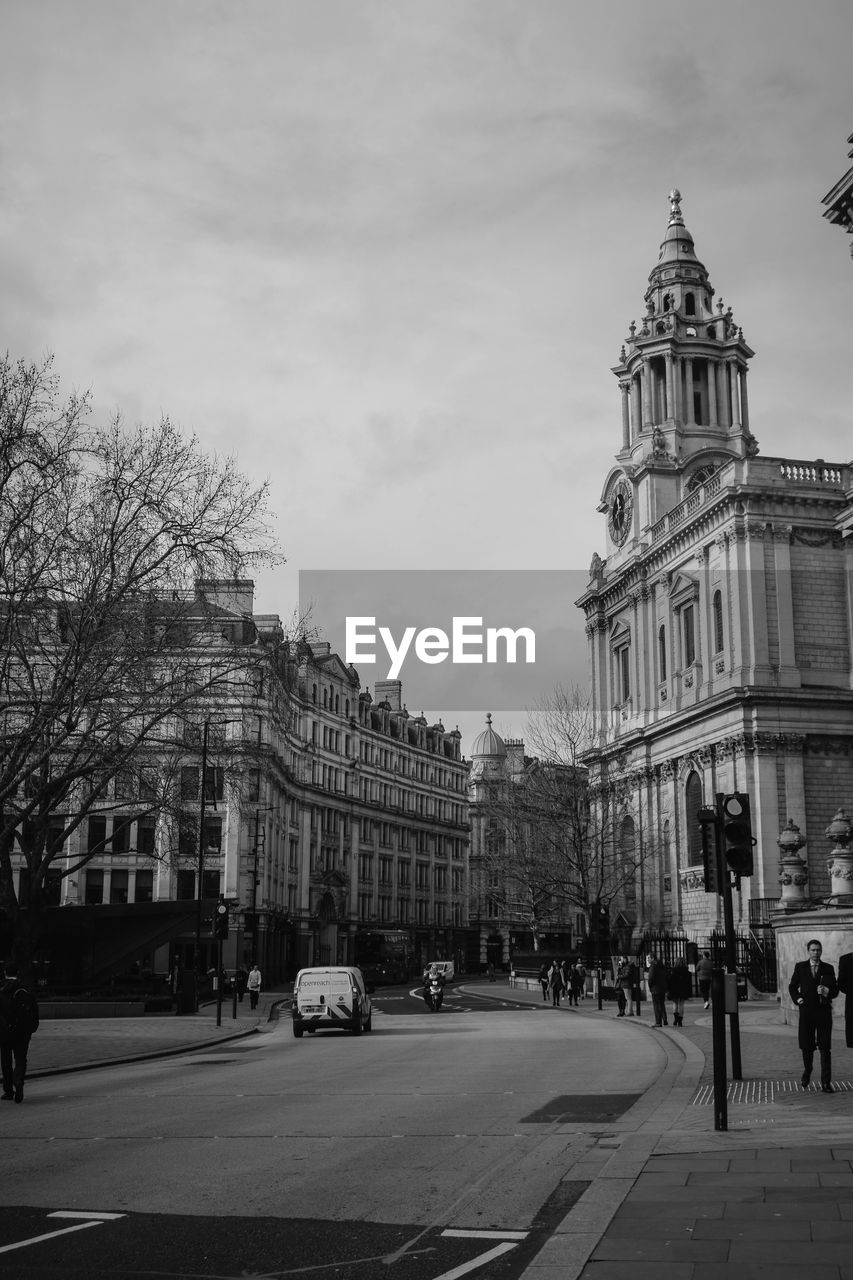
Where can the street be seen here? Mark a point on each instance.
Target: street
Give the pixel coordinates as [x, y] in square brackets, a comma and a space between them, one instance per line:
[339, 1154]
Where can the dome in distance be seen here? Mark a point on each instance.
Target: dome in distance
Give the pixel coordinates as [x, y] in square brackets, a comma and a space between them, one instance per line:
[488, 743]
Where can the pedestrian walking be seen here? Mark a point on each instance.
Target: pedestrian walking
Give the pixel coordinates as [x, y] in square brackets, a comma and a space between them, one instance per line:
[566, 971]
[680, 989]
[845, 984]
[623, 985]
[253, 985]
[19, 1021]
[812, 988]
[704, 969]
[241, 978]
[543, 981]
[555, 981]
[657, 982]
[579, 982]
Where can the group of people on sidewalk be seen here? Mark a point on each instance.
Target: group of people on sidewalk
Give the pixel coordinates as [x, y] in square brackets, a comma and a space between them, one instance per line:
[562, 978]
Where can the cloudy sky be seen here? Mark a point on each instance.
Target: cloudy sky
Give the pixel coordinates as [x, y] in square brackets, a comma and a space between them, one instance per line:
[388, 252]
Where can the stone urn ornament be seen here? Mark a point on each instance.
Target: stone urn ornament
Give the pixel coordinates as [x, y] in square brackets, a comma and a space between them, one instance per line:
[840, 864]
[793, 872]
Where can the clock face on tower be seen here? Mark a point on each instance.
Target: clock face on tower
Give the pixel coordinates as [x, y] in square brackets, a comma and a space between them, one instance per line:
[619, 512]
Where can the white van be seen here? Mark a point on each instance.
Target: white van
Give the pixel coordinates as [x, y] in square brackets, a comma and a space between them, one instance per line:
[444, 967]
[329, 996]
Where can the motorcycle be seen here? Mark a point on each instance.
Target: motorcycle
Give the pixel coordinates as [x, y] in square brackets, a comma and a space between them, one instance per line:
[433, 994]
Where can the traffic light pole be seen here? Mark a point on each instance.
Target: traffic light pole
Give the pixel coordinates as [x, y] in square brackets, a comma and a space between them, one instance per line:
[725, 884]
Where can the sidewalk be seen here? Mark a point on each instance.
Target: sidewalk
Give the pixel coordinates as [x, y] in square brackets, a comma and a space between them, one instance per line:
[671, 1198]
[75, 1044]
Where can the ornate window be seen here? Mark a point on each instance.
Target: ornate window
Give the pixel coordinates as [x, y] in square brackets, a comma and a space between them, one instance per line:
[692, 804]
[662, 653]
[718, 621]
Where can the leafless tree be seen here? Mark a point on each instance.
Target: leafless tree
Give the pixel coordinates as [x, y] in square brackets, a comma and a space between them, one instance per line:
[555, 848]
[111, 649]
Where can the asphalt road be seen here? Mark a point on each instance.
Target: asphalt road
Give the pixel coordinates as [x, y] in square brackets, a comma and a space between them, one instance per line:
[332, 1155]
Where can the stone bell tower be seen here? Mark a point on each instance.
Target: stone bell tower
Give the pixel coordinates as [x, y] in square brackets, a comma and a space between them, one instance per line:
[682, 373]
[719, 620]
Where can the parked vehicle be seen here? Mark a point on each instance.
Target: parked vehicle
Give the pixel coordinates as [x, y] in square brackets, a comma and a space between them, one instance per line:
[325, 997]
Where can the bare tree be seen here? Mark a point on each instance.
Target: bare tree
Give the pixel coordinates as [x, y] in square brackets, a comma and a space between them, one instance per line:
[557, 846]
[112, 638]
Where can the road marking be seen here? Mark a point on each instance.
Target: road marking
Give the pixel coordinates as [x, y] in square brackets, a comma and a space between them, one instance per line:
[479, 1261]
[88, 1220]
[486, 1235]
[78, 1213]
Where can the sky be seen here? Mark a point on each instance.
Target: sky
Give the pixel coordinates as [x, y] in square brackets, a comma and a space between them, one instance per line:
[387, 253]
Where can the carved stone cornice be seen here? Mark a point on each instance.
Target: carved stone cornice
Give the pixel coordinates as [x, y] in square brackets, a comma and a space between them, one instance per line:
[819, 744]
[817, 537]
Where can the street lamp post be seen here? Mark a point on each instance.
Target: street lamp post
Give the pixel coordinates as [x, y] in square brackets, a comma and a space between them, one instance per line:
[204, 742]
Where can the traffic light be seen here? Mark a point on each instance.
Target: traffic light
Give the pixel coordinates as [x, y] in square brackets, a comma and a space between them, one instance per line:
[737, 833]
[220, 922]
[707, 819]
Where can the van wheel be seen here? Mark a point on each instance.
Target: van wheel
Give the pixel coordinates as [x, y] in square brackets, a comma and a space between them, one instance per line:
[368, 1026]
[356, 1024]
[297, 1031]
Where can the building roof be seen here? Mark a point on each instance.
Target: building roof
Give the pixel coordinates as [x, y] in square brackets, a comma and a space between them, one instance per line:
[488, 743]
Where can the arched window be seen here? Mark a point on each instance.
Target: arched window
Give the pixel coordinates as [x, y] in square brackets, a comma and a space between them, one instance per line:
[662, 652]
[689, 304]
[314, 694]
[718, 622]
[692, 805]
[628, 859]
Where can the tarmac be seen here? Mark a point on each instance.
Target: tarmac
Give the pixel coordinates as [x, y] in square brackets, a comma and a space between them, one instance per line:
[668, 1196]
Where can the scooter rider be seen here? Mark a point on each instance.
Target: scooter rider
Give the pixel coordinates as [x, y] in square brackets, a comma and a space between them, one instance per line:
[433, 977]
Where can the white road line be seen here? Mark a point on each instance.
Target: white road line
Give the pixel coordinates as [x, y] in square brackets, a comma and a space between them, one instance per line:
[486, 1235]
[51, 1235]
[85, 1220]
[78, 1213]
[479, 1261]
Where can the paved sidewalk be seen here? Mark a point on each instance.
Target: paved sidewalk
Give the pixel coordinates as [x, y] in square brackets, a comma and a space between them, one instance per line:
[671, 1198]
[76, 1044]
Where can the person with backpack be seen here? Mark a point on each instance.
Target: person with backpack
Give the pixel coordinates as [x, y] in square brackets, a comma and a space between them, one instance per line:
[19, 1020]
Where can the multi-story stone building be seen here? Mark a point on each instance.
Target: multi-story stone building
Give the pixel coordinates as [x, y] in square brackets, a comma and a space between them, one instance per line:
[326, 815]
[720, 623]
[511, 888]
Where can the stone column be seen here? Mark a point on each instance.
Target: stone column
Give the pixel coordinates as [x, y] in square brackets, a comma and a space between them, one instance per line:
[626, 416]
[647, 394]
[723, 394]
[744, 405]
[734, 394]
[636, 407]
[670, 389]
[712, 393]
[688, 389]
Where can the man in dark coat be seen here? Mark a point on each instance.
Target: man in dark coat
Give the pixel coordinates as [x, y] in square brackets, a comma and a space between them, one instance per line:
[657, 980]
[19, 1019]
[813, 988]
[845, 984]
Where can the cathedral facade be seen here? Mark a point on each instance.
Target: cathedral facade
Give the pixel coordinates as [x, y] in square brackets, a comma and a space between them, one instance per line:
[720, 622]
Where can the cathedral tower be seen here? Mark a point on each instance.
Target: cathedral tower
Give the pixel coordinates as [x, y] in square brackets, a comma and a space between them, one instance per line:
[682, 374]
[720, 620]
